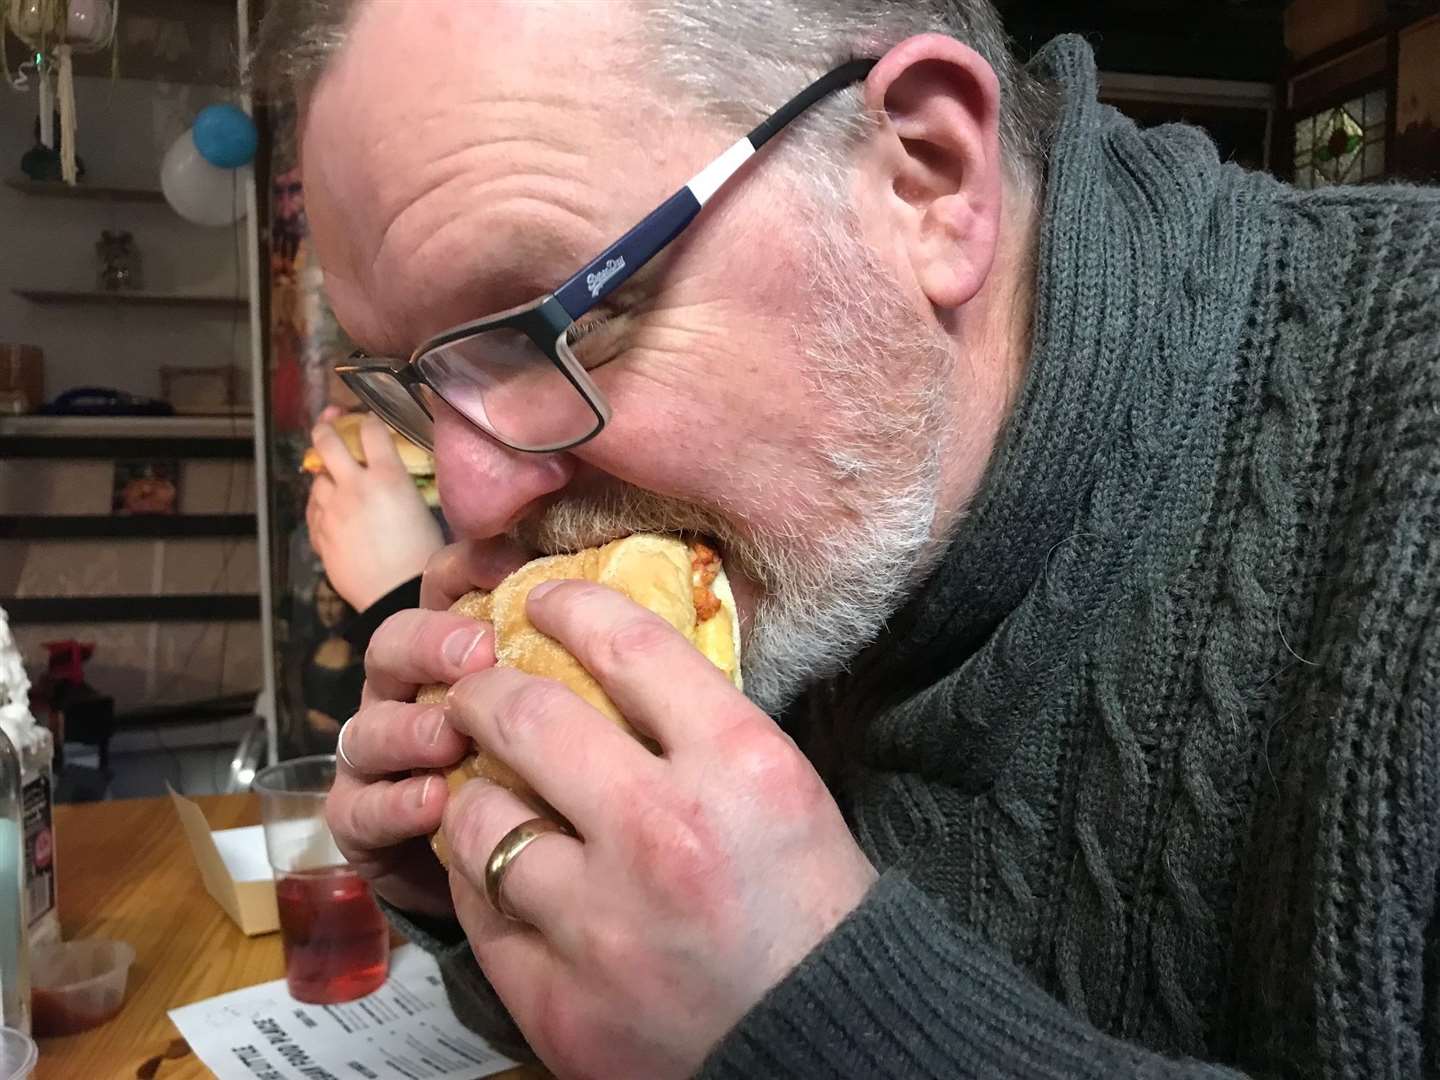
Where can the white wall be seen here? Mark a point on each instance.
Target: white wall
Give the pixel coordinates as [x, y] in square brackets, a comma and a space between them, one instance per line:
[125, 127]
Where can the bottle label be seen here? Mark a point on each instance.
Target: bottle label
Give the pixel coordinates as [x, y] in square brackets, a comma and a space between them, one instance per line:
[39, 848]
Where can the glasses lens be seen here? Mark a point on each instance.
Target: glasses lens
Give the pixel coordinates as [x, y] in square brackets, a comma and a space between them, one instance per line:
[384, 393]
[503, 382]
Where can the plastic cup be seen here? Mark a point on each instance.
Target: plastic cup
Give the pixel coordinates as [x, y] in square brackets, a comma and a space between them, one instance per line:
[18, 1054]
[336, 941]
[77, 985]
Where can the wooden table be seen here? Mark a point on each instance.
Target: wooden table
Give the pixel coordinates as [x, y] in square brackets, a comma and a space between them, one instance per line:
[126, 872]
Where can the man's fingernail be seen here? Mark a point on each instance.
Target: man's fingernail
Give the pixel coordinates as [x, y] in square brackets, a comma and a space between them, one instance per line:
[437, 727]
[424, 791]
[459, 645]
[540, 590]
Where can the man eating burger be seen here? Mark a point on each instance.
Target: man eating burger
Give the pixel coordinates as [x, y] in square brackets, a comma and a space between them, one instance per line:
[1077, 492]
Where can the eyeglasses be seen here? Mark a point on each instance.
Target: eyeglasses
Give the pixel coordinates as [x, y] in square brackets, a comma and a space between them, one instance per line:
[522, 375]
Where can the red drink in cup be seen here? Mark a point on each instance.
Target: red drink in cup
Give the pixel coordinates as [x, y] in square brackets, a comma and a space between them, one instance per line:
[337, 944]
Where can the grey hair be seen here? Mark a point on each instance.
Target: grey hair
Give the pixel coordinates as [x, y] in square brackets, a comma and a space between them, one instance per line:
[740, 59]
[294, 45]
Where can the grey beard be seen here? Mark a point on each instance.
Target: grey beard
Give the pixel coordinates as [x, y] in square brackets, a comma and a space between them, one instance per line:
[860, 535]
[823, 594]
[883, 373]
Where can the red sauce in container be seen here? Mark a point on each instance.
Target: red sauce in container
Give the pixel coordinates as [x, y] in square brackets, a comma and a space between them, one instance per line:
[51, 1014]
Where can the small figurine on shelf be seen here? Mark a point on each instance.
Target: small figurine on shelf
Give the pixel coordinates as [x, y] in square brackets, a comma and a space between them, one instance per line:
[120, 266]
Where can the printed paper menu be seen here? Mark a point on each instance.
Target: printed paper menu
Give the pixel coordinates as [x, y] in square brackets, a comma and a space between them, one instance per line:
[404, 1030]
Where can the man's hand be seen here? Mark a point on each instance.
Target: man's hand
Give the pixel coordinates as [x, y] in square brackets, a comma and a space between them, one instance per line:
[368, 524]
[380, 814]
[698, 878]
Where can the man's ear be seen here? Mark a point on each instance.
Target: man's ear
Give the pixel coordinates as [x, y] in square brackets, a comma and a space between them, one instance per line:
[937, 173]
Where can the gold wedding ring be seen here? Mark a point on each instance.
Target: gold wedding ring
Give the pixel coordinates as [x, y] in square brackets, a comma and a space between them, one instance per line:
[508, 850]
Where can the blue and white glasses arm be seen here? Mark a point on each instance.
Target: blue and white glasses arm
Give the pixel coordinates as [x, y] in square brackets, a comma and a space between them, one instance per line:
[615, 265]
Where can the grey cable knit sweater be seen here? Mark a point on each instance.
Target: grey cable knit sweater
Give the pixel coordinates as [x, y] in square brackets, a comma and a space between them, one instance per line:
[1151, 766]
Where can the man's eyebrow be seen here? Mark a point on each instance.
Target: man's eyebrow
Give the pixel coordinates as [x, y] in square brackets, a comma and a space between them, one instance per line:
[641, 285]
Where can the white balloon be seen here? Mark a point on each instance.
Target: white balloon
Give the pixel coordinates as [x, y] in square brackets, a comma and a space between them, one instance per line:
[198, 191]
[89, 24]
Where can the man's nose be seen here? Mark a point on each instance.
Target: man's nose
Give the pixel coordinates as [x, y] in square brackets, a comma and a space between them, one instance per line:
[484, 486]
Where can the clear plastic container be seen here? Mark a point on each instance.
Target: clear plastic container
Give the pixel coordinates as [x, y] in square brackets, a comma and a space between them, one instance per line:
[77, 985]
[18, 1054]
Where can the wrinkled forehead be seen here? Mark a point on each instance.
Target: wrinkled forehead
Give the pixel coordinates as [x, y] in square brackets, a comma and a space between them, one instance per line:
[458, 156]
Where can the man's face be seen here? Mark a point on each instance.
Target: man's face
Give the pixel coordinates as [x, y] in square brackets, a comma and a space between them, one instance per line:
[769, 386]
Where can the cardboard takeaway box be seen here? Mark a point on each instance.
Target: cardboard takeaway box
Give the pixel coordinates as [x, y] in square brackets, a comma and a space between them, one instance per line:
[234, 868]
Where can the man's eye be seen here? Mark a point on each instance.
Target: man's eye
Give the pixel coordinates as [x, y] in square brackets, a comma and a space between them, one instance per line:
[590, 346]
[587, 326]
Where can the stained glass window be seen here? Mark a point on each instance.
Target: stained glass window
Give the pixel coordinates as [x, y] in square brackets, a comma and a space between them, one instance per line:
[1343, 145]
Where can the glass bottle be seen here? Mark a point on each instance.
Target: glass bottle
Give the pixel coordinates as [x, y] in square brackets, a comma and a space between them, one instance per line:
[33, 742]
[14, 928]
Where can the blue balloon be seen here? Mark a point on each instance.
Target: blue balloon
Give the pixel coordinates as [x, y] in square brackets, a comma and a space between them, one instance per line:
[225, 136]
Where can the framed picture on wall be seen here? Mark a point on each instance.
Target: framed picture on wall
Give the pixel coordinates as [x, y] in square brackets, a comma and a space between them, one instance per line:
[145, 487]
[203, 391]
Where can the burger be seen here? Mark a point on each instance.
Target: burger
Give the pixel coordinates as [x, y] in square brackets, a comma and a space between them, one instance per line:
[680, 580]
[420, 464]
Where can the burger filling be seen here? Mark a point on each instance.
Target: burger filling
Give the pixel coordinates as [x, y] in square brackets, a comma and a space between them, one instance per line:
[704, 568]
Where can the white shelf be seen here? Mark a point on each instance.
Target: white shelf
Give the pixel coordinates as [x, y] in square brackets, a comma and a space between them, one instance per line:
[133, 299]
[130, 427]
[54, 189]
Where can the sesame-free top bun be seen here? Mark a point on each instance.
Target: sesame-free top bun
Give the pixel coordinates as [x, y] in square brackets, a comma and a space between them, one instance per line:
[678, 580]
